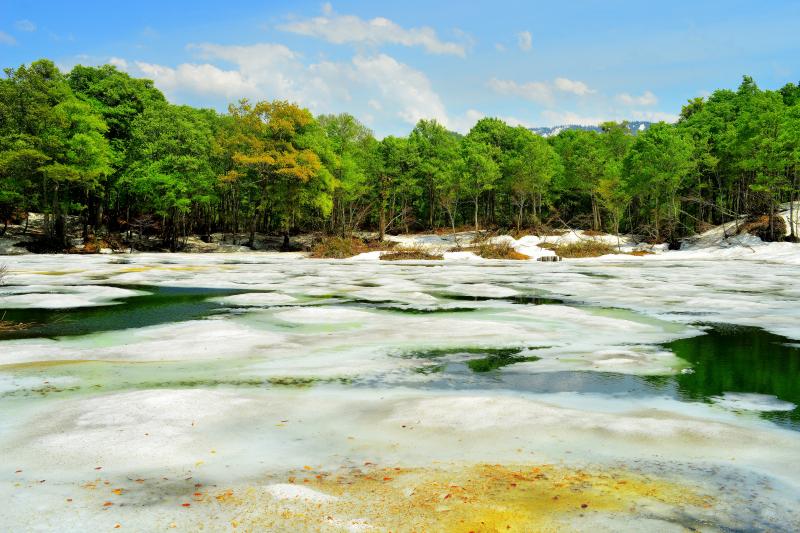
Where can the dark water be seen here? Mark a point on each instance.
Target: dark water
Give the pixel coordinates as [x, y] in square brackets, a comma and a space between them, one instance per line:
[161, 305]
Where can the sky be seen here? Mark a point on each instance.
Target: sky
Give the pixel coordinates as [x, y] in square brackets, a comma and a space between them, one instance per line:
[393, 63]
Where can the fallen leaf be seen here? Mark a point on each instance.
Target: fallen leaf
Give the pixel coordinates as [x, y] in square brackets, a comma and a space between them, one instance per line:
[107, 504]
[186, 505]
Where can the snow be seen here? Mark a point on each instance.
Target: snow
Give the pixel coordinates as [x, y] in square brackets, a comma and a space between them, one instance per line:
[286, 491]
[256, 299]
[739, 401]
[317, 363]
[61, 297]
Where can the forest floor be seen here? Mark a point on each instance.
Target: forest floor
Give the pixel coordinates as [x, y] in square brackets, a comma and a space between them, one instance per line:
[727, 240]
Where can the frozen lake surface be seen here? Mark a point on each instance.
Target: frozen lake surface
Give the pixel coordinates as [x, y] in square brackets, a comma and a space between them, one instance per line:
[261, 391]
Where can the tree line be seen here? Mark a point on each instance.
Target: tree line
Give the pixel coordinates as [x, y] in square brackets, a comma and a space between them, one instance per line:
[109, 148]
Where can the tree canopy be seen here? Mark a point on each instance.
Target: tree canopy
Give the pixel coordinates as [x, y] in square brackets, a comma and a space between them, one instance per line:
[108, 148]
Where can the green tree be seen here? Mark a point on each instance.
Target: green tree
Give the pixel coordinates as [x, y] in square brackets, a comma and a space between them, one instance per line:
[352, 144]
[582, 156]
[170, 173]
[435, 150]
[479, 171]
[529, 169]
[658, 162]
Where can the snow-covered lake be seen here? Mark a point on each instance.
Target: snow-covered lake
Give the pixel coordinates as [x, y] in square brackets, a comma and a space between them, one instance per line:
[259, 391]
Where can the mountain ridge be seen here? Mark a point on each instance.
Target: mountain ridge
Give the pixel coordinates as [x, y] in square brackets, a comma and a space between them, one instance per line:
[549, 131]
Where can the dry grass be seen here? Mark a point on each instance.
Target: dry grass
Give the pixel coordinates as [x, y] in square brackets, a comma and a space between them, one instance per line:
[94, 245]
[449, 231]
[585, 248]
[501, 250]
[412, 253]
[344, 247]
[337, 248]
[7, 325]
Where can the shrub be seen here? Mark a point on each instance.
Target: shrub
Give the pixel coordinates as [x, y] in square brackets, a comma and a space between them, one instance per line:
[584, 248]
[412, 252]
[338, 248]
[344, 247]
[501, 250]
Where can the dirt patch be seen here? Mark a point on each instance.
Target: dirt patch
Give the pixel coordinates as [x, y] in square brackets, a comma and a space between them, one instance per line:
[764, 227]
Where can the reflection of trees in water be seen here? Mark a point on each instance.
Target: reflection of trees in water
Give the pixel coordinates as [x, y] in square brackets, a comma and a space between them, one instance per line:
[741, 359]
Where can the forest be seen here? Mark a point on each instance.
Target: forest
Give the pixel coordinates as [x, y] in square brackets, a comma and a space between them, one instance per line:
[109, 149]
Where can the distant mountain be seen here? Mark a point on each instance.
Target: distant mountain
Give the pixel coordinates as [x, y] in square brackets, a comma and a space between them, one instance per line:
[635, 126]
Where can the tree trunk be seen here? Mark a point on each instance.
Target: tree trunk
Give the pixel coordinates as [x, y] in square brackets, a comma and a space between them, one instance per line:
[476, 213]
[382, 222]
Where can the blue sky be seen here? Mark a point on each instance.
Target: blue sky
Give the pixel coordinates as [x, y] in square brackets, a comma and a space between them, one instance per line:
[391, 63]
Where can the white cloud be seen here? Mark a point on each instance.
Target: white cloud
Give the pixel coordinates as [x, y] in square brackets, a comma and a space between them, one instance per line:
[410, 89]
[464, 123]
[7, 39]
[646, 99]
[375, 85]
[499, 47]
[524, 41]
[559, 118]
[539, 91]
[341, 29]
[118, 62]
[25, 25]
[571, 86]
[514, 122]
[195, 78]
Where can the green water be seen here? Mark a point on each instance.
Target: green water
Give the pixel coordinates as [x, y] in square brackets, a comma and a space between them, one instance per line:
[161, 305]
[741, 359]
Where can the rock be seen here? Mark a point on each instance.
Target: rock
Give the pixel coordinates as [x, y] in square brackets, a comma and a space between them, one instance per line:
[106, 251]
